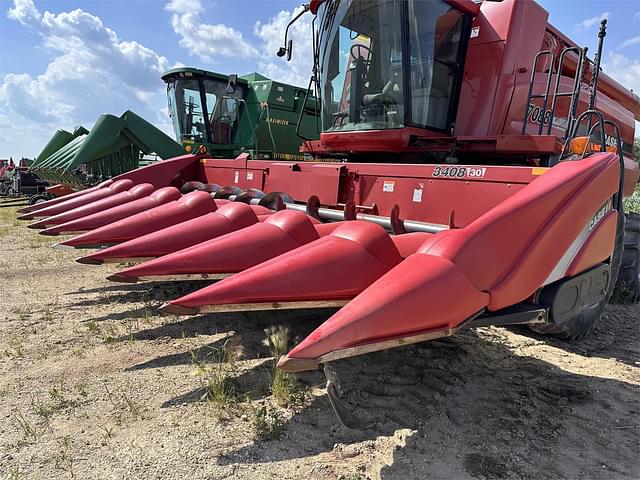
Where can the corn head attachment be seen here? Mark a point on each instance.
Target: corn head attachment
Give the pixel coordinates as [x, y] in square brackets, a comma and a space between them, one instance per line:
[426, 206]
[227, 218]
[159, 197]
[162, 214]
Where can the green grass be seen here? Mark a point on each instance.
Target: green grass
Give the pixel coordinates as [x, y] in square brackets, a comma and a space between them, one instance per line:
[215, 368]
[632, 203]
[284, 386]
[267, 423]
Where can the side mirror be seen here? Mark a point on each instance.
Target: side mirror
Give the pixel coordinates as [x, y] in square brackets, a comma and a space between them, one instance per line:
[232, 83]
[289, 50]
[286, 50]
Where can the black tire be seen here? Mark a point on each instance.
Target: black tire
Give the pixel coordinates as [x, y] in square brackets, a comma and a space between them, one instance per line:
[584, 323]
[628, 284]
[39, 198]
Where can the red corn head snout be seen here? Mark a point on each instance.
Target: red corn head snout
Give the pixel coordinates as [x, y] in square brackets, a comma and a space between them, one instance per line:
[120, 198]
[326, 272]
[77, 201]
[230, 253]
[228, 218]
[425, 295]
[189, 206]
[98, 219]
[57, 200]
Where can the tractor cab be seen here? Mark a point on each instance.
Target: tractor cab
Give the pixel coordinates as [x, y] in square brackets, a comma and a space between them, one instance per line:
[204, 107]
[390, 64]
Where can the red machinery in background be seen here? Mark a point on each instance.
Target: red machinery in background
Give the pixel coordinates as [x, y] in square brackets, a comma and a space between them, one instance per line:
[470, 171]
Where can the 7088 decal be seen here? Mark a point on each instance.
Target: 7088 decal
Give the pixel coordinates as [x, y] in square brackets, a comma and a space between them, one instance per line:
[459, 172]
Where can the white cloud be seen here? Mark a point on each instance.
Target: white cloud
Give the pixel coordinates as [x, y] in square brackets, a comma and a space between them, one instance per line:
[588, 23]
[92, 71]
[623, 69]
[24, 11]
[210, 41]
[626, 71]
[630, 42]
[271, 35]
[204, 40]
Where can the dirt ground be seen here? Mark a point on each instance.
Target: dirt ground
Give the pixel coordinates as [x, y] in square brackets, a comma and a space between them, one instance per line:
[94, 384]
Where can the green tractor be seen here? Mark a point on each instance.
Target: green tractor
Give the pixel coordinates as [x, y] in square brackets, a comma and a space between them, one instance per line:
[230, 115]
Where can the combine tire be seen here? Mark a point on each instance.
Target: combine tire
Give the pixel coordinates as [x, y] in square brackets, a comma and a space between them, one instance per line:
[628, 285]
[584, 323]
[39, 198]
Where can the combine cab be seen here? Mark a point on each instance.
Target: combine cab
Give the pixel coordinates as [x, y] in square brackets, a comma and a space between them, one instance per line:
[469, 171]
[230, 115]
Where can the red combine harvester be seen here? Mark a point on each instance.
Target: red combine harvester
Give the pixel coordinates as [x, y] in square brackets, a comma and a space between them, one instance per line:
[470, 171]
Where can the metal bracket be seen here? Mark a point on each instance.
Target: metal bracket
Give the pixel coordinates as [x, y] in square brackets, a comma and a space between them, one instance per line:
[350, 210]
[397, 225]
[452, 220]
[340, 407]
[313, 207]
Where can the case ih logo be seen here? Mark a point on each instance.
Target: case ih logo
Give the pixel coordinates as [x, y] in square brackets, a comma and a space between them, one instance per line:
[599, 215]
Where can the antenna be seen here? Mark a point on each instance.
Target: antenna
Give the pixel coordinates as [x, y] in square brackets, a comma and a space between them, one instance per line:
[596, 72]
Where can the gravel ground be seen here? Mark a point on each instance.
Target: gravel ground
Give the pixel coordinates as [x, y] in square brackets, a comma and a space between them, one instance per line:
[95, 384]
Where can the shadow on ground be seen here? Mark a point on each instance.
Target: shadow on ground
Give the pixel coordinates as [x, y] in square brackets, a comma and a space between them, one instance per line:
[617, 335]
[470, 408]
[247, 328]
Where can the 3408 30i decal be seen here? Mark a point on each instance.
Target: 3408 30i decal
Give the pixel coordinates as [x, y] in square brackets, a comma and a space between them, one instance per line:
[459, 172]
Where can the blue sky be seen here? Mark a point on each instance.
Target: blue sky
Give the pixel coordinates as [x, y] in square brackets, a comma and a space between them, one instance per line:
[64, 62]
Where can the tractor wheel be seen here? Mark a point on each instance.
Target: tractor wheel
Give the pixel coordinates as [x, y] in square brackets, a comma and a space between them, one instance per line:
[628, 284]
[584, 323]
[39, 198]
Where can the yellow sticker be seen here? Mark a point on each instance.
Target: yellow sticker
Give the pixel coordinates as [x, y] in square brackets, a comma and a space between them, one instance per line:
[539, 170]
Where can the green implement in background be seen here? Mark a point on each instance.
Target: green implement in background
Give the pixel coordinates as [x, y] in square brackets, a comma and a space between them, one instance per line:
[226, 114]
[113, 146]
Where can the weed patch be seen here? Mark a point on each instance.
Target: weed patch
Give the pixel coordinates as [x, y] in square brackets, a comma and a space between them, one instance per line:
[124, 406]
[215, 369]
[267, 423]
[285, 388]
